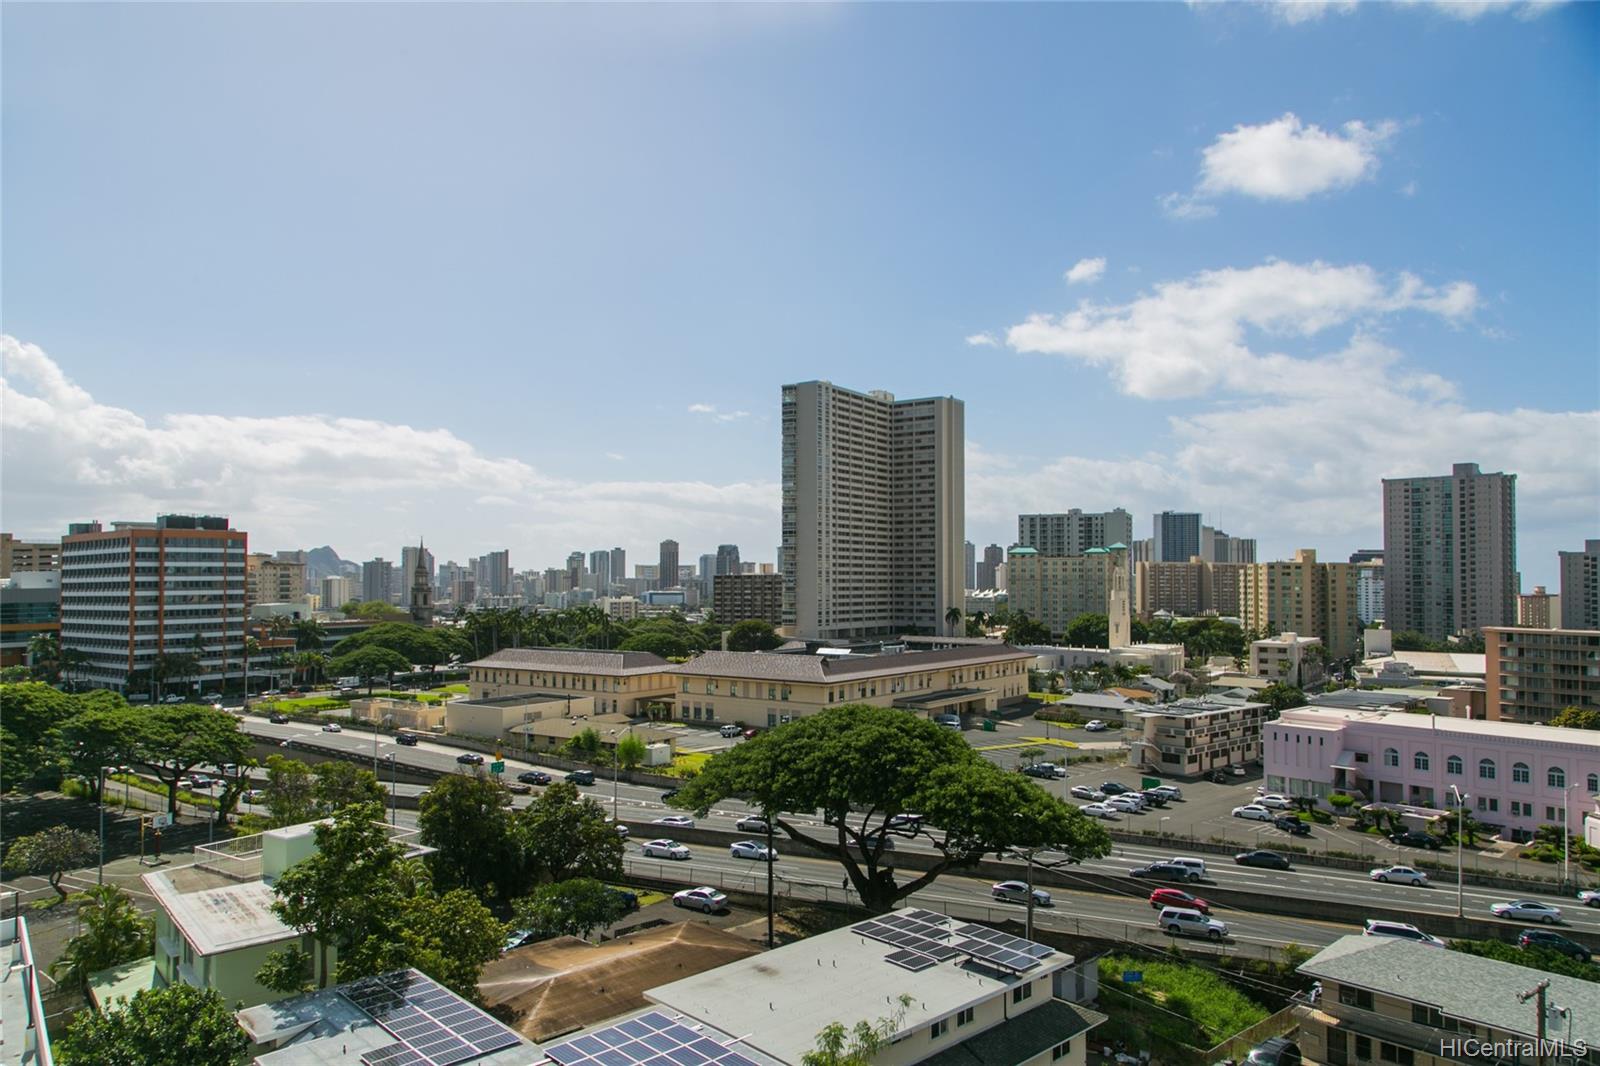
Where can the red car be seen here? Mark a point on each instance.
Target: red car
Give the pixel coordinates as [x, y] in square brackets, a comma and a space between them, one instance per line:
[1173, 897]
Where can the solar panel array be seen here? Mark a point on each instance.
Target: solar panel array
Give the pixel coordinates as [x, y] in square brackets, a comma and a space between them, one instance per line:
[1001, 949]
[649, 1040]
[431, 1026]
[920, 936]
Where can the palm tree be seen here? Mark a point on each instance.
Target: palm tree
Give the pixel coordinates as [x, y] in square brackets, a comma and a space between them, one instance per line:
[308, 634]
[44, 651]
[112, 931]
[73, 661]
[279, 625]
[952, 618]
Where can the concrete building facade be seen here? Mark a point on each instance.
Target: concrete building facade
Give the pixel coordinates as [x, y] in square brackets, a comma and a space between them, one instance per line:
[1303, 596]
[28, 554]
[1189, 589]
[988, 568]
[275, 579]
[1075, 531]
[1175, 536]
[1287, 657]
[30, 606]
[873, 511]
[738, 597]
[667, 567]
[1192, 737]
[1055, 589]
[1580, 587]
[620, 682]
[1369, 591]
[1532, 674]
[1538, 609]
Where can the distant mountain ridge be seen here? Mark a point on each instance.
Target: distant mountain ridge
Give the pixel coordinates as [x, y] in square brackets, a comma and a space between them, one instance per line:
[325, 562]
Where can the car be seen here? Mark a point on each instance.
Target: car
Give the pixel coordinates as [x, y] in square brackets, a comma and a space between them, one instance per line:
[1172, 792]
[1164, 871]
[1413, 838]
[534, 777]
[1292, 825]
[620, 829]
[1253, 812]
[949, 721]
[1099, 810]
[629, 901]
[705, 898]
[470, 758]
[1401, 875]
[1198, 866]
[1275, 1051]
[676, 821]
[752, 731]
[1401, 930]
[665, 849]
[1544, 938]
[1126, 804]
[1177, 897]
[406, 740]
[904, 821]
[666, 797]
[1045, 769]
[751, 823]
[1270, 860]
[1527, 910]
[1151, 797]
[1094, 725]
[278, 718]
[1112, 788]
[201, 781]
[1182, 921]
[518, 787]
[1273, 801]
[1589, 897]
[173, 698]
[1017, 892]
[749, 849]
[346, 690]
[730, 730]
[1237, 771]
[516, 939]
[332, 727]
[1217, 777]
[273, 692]
[1084, 792]
[581, 777]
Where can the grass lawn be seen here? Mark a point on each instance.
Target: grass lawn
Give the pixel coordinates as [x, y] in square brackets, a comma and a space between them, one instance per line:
[690, 760]
[646, 896]
[1193, 1005]
[452, 690]
[311, 704]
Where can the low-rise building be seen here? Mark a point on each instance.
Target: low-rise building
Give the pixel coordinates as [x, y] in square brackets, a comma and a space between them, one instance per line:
[1191, 737]
[26, 1039]
[620, 682]
[1389, 1000]
[619, 608]
[28, 555]
[1532, 674]
[1160, 659]
[1288, 657]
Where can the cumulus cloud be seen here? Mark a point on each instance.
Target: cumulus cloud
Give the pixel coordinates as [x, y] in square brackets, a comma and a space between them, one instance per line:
[983, 340]
[1287, 160]
[710, 411]
[1297, 12]
[1294, 12]
[361, 485]
[1086, 271]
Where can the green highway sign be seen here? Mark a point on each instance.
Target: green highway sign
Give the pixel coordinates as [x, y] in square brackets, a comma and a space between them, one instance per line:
[497, 767]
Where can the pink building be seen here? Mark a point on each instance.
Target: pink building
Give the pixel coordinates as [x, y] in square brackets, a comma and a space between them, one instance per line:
[1515, 776]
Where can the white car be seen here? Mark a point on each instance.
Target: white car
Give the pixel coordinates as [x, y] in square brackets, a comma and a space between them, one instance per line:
[1401, 930]
[1095, 726]
[1084, 792]
[1254, 812]
[1125, 803]
[751, 824]
[332, 727]
[665, 849]
[705, 898]
[749, 849]
[904, 821]
[1401, 875]
[730, 730]
[676, 821]
[1017, 892]
[1275, 801]
[1099, 810]
[1172, 792]
[1589, 897]
[253, 795]
[1526, 910]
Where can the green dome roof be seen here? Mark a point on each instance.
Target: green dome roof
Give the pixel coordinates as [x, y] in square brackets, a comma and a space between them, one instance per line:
[1119, 546]
[1097, 551]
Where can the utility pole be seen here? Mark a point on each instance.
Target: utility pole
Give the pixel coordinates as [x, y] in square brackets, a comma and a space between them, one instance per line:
[1536, 993]
[772, 940]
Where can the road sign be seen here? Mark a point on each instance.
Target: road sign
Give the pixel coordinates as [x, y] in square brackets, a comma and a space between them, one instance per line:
[1149, 782]
[497, 767]
[1132, 977]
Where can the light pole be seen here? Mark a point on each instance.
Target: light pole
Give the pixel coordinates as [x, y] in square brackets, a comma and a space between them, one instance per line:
[1566, 830]
[1461, 821]
[393, 785]
[100, 875]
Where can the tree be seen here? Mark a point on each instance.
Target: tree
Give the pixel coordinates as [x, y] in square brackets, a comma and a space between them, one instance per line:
[1024, 630]
[51, 852]
[1088, 631]
[309, 634]
[158, 1027]
[464, 817]
[1533, 957]
[375, 610]
[172, 740]
[630, 751]
[662, 642]
[415, 644]
[584, 744]
[568, 908]
[860, 766]
[370, 664]
[952, 618]
[30, 712]
[291, 791]
[838, 1046]
[111, 932]
[44, 655]
[251, 648]
[753, 634]
[1577, 718]
[1030, 755]
[563, 836]
[449, 937]
[1280, 696]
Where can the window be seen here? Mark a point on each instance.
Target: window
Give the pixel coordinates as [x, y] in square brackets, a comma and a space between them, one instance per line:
[939, 1028]
[1426, 1016]
[1486, 769]
[1060, 1051]
[1520, 775]
[1488, 803]
[1393, 1053]
[1364, 1048]
[1555, 777]
[1021, 992]
[1592, 784]
[1355, 997]
[1391, 757]
[1419, 761]
[964, 1017]
[1552, 814]
[1452, 765]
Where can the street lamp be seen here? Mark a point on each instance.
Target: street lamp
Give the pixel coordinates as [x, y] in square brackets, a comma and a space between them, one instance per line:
[1461, 820]
[393, 786]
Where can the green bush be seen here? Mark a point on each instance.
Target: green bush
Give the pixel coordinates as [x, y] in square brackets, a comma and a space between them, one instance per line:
[1208, 1009]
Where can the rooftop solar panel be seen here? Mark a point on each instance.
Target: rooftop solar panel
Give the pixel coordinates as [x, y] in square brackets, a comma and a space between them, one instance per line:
[926, 916]
[651, 1039]
[433, 1026]
[914, 961]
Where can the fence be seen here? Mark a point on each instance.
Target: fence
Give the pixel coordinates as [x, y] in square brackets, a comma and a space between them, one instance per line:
[1239, 1044]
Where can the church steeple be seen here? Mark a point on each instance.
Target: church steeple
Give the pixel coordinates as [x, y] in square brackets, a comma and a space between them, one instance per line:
[421, 589]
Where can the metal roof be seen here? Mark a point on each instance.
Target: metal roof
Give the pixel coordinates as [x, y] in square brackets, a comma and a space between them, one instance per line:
[574, 660]
[818, 669]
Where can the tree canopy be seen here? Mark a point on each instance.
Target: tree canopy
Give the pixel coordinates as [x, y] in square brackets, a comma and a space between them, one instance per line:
[51, 852]
[1577, 718]
[568, 908]
[753, 634]
[862, 765]
[157, 1027]
[464, 816]
[299, 792]
[111, 931]
[421, 645]
[371, 664]
[1024, 630]
[1280, 696]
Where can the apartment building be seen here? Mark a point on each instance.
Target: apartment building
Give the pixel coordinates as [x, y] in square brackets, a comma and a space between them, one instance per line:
[873, 511]
[1538, 609]
[988, 570]
[377, 580]
[142, 590]
[737, 597]
[1074, 532]
[277, 578]
[1303, 596]
[1189, 589]
[1193, 737]
[970, 565]
[1450, 552]
[1580, 587]
[1386, 1000]
[1369, 590]
[1218, 547]
[621, 682]
[1055, 589]
[1531, 674]
[29, 555]
[1288, 657]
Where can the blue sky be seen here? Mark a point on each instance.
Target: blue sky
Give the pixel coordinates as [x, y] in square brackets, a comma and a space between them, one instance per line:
[531, 277]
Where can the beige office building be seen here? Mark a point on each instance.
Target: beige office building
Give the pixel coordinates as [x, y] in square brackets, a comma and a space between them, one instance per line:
[1055, 589]
[741, 597]
[873, 511]
[1538, 609]
[1303, 596]
[1450, 552]
[620, 682]
[1189, 589]
[1532, 674]
[28, 555]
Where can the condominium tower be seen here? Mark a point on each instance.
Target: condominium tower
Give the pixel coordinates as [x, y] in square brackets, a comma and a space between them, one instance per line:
[873, 511]
[1074, 532]
[1580, 587]
[1175, 536]
[1450, 551]
[667, 568]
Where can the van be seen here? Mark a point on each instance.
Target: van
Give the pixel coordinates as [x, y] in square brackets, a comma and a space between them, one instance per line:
[730, 730]
[1181, 921]
[1198, 866]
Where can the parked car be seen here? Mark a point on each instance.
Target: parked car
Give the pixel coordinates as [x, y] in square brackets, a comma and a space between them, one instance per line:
[949, 721]
[620, 829]
[1275, 802]
[1527, 910]
[1400, 875]
[1413, 838]
[730, 730]
[1181, 921]
[1151, 797]
[1217, 777]
[518, 787]
[172, 698]
[1017, 892]
[1084, 792]
[749, 849]
[676, 821]
[534, 777]
[1544, 938]
[665, 849]
[470, 758]
[1099, 810]
[1094, 725]
[1112, 788]
[752, 731]
[1401, 930]
[278, 718]
[1270, 860]
[253, 795]
[704, 898]
[516, 939]
[1589, 897]
[1164, 871]
[332, 727]
[751, 823]
[666, 797]
[581, 777]
[406, 740]
[628, 900]
[1253, 812]
[1045, 769]
[1177, 897]
[1275, 1051]
[1172, 792]
[1125, 803]
[1292, 825]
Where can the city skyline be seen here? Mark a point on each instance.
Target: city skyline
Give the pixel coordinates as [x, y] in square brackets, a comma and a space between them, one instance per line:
[1250, 301]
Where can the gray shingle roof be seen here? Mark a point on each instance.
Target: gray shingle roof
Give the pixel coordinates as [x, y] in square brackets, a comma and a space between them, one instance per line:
[577, 660]
[1023, 1037]
[824, 668]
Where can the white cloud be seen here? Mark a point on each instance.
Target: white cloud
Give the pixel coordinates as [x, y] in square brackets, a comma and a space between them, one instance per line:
[710, 411]
[983, 340]
[1408, 189]
[1086, 271]
[1295, 12]
[1190, 336]
[1472, 10]
[303, 480]
[1177, 205]
[615, 456]
[1287, 160]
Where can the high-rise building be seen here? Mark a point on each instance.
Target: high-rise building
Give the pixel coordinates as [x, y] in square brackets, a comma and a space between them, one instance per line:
[1055, 589]
[728, 559]
[270, 579]
[408, 564]
[1369, 589]
[142, 590]
[1189, 589]
[667, 569]
[1175, 536]
[1531, 675]
[988, 569]
[647, 572]
[1367, 555]
[1450, 552]
[736, 597]
[873, 511]
[1217, 547]
[336, 592]
[600, 571]
[1305, 597]
[1074, 532]
[1580, 587]
[575, 571]
[377, 580]
[495, 573]
[970, 562]
[29, 555]
[619, 565]
[1538, 609]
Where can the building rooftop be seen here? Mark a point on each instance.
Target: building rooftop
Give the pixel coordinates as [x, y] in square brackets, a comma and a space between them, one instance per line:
[24, 1040]
[1022, 1038]
[1452, 663]
[1098, 701]
[824, 668]
[1469, 988]
[1198, 705]
[648, 1037]
[217, 918]
[1438, 723]
[575, 660]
